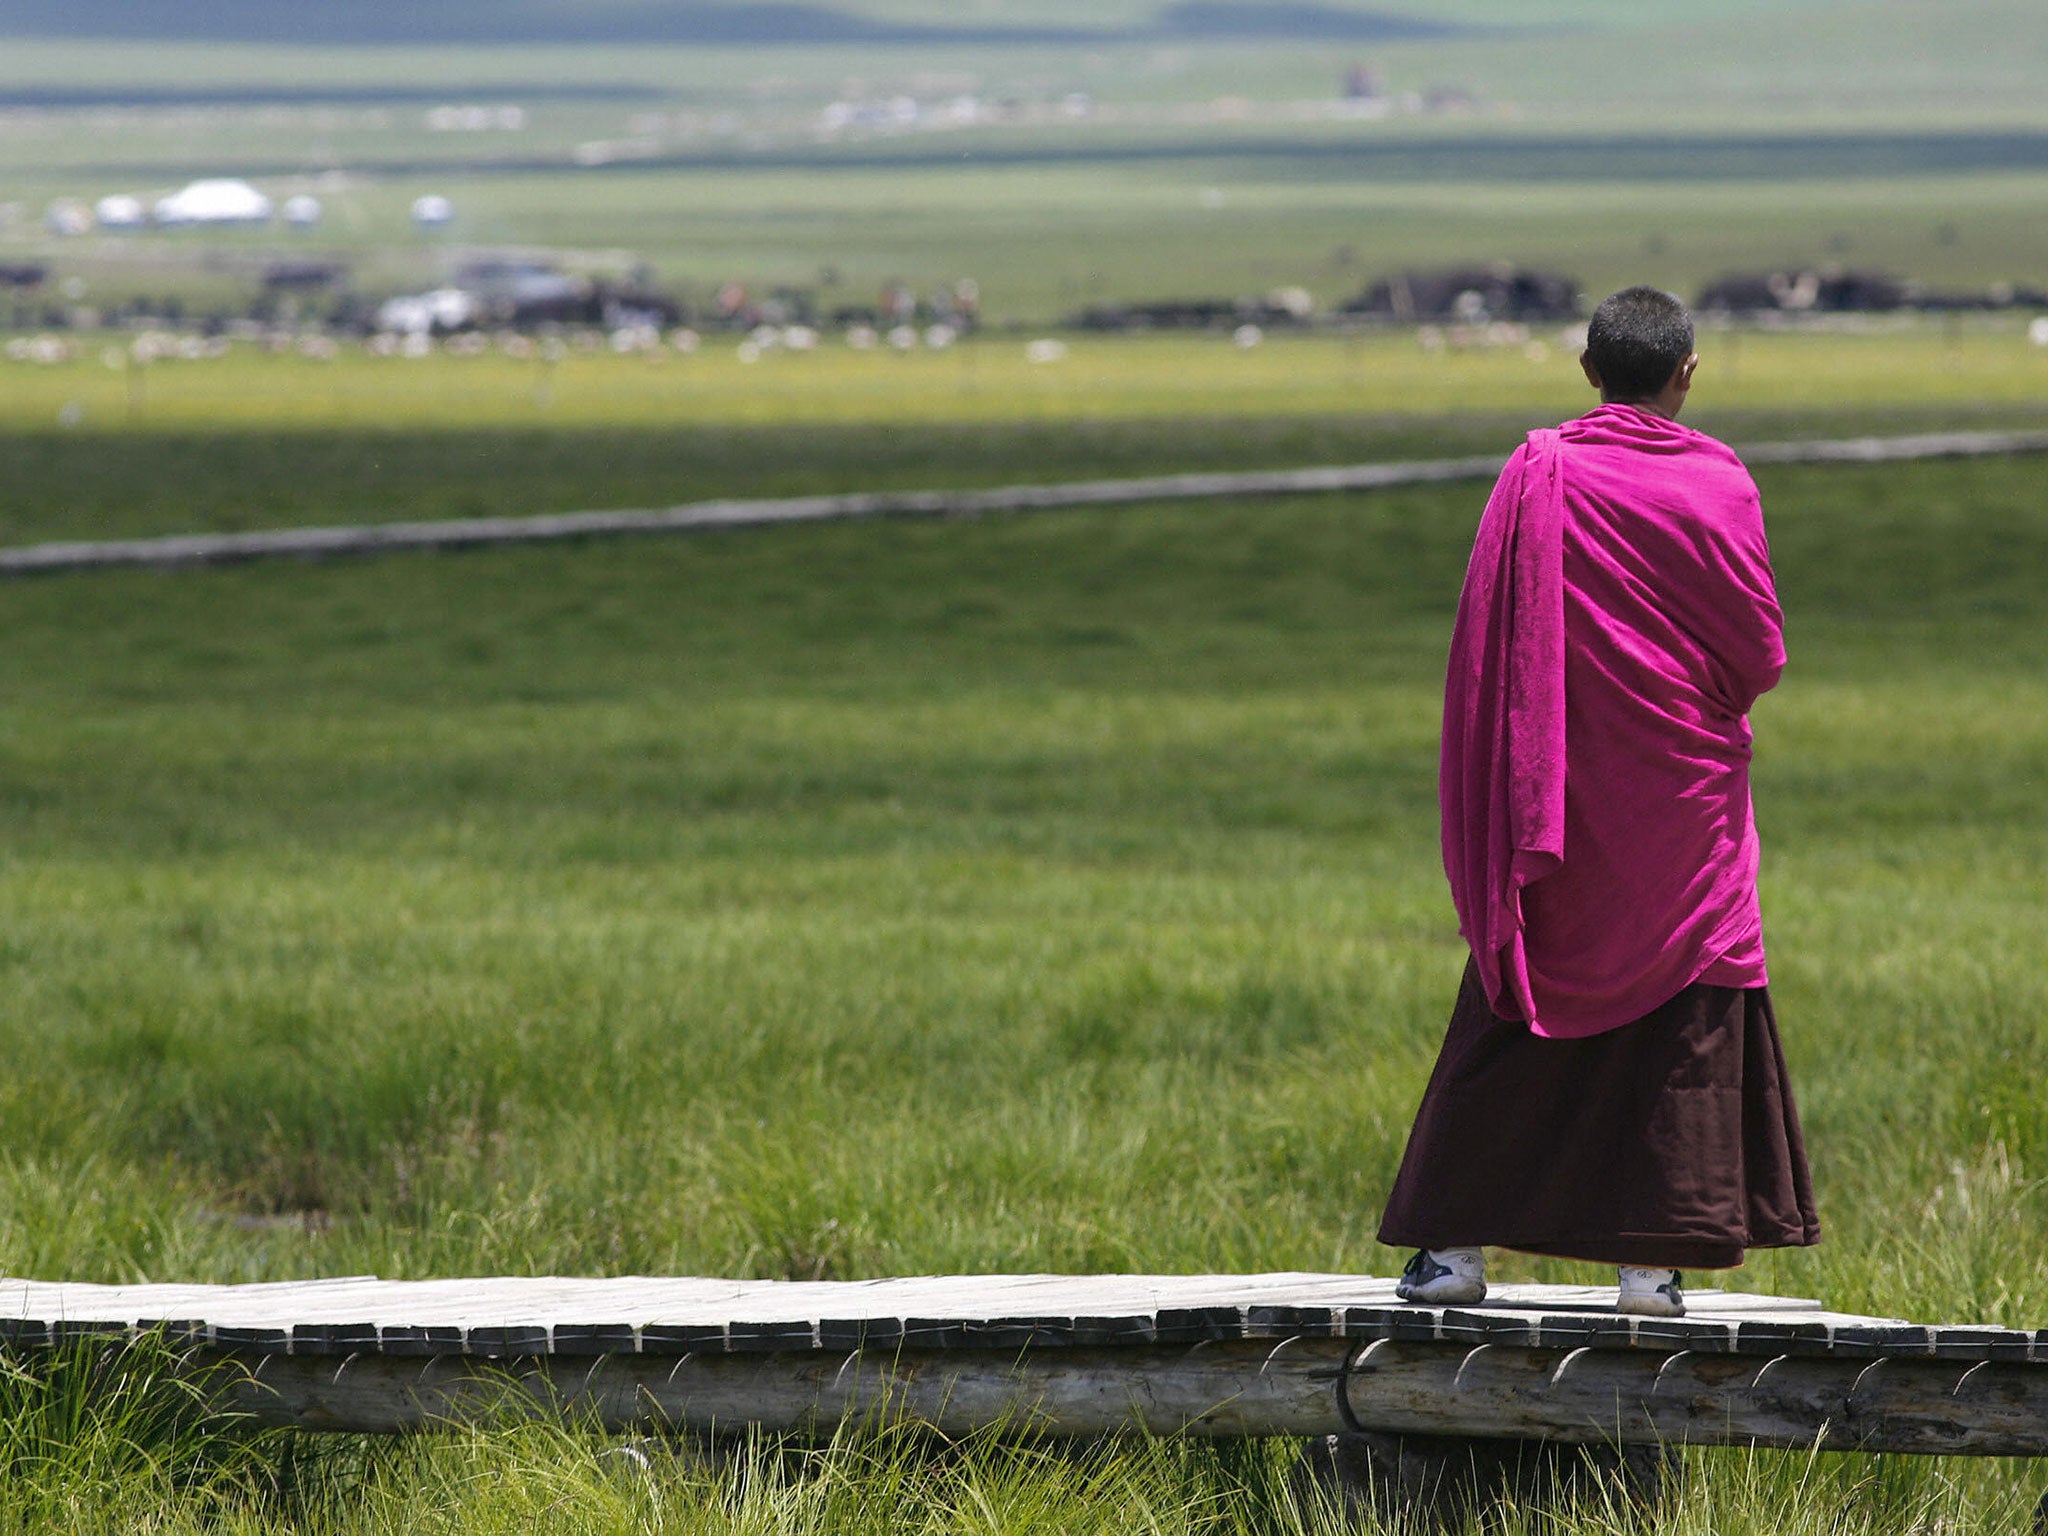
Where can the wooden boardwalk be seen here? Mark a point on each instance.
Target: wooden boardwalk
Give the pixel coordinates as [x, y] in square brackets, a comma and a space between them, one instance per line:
[523, 1317]
[1272, 1354]
[469, 533]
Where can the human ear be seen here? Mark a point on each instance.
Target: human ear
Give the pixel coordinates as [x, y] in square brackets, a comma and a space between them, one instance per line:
[1586, 367]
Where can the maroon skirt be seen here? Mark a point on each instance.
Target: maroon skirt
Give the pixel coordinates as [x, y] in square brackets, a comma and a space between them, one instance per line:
[1671, 1141]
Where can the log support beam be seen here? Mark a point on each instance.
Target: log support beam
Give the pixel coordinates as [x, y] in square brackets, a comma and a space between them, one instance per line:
[1300, 1387]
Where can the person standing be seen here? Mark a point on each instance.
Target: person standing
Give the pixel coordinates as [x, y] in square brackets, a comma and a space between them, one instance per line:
[1611, 1085]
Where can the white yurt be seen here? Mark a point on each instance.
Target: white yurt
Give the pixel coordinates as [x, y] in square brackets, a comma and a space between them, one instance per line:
[120, 212]
[218, 200]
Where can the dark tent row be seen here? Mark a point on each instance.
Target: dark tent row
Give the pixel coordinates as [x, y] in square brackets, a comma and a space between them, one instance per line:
[528, 295]
[1472, 294]
[1178, 315]
[1838, 290]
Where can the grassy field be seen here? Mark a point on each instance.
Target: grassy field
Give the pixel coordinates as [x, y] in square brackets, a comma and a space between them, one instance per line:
[1055, 892]
[252, 440]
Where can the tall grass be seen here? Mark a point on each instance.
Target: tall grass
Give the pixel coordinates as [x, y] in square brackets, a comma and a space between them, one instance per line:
[90, 1429]
[1043, 893]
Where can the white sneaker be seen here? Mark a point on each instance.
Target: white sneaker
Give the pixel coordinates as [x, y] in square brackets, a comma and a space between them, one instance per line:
[1651, 1292]
[1444, 1277]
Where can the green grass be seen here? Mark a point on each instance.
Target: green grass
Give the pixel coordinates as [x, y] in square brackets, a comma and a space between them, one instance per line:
[1054, 892]
[253, 441]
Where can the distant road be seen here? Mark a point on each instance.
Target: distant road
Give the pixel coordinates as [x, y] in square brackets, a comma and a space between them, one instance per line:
[468, 533]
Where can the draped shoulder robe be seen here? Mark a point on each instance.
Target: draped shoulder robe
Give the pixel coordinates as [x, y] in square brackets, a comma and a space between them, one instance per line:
[1618, 620]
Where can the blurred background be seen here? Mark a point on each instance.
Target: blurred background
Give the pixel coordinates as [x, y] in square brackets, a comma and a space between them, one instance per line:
[1029, 163]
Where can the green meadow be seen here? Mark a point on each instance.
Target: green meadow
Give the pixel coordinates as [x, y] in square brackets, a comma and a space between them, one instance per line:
[101, 446]
[1041, 892]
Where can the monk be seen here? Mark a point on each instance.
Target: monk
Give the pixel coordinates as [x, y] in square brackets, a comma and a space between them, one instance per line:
[1611, 1087]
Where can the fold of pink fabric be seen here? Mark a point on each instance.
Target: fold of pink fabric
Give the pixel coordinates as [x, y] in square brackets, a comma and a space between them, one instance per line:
[1618, 620]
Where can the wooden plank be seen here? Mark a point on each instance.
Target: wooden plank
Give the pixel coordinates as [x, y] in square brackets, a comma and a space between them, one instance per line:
[422, 1340]
[1897, 449]
[467, 533]
[509, 1316]
[538, 1300]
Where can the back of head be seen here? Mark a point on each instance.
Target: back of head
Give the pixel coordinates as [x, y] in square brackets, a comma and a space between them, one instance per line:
[1636, 341]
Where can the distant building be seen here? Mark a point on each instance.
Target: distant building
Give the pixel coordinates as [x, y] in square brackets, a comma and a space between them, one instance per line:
[304, 274]
[120, 212]
[219, 200]
[1469, 295]
[429, 314]
[1823, 290]
[67, 217]
[516, 291]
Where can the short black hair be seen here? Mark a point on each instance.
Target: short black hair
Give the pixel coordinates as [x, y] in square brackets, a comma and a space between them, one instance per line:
[1636, 341]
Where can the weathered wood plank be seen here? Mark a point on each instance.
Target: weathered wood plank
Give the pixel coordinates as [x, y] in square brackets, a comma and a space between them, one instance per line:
[550, 1299]
[467, 533]
[1897, 449]
[521, 1316]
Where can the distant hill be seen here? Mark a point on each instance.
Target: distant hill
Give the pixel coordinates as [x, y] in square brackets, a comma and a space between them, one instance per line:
[733, 22]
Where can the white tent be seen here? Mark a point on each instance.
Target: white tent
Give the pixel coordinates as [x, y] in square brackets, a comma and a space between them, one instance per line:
[218, 201]
[302, 211]
[424, 314]
[120, 211]
[432, 210]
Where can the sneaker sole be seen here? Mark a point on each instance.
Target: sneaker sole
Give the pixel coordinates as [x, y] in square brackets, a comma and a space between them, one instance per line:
[1446, 1293]
[1649, 1306]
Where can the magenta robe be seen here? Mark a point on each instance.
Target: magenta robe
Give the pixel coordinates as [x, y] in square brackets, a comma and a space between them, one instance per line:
[1618, 620]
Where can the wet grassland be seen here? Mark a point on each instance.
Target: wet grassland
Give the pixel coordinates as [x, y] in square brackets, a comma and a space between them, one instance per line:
[1041, 892]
